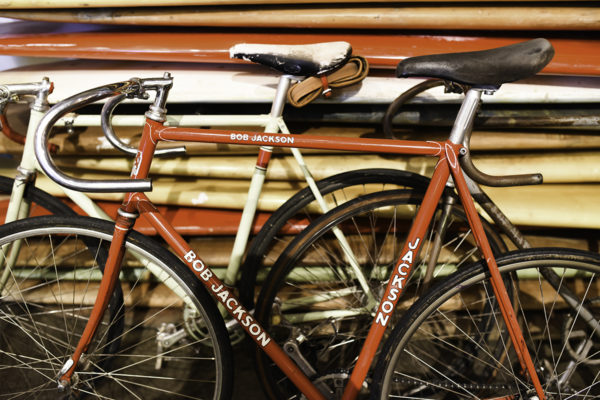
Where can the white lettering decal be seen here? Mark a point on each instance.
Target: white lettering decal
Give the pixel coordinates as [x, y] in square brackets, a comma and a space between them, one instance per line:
[264, 139]
[198, 265]
[382, 319]
[387, 307]
[206, 274]
[254, 329]
[189, 257]
[263, 339]
[238, 313]
[223, 295]
[402, 269]
[397, 284]
[230, 302]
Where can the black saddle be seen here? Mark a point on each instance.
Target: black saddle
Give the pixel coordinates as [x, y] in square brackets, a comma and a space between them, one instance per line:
[486, 68]
[304, 60]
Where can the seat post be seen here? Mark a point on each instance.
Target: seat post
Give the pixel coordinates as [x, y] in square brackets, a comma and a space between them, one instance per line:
[463, 125]
[280, 96]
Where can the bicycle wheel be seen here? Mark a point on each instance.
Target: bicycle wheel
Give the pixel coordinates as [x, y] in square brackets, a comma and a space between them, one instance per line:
[439, 349]
[297, 212]
[145, 349]
[313, 300]
[41, 203]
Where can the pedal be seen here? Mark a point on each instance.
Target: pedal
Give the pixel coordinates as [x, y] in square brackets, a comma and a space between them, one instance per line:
[166, 337]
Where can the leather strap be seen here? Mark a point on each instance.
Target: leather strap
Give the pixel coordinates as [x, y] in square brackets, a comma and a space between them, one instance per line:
[302, 93]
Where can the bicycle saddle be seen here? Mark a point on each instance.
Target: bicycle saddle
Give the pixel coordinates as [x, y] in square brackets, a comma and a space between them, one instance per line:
[482, 68]
[304, 60]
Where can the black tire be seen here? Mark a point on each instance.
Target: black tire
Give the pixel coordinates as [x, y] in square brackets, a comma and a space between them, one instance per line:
[37, 198]
[41, 202]
[444, 326]
[270, 241]
[46, 299]
[314, 269]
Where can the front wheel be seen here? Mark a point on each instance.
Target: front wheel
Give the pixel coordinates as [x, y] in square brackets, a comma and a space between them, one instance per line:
[319, 299]
[153, 354]
[453, 343]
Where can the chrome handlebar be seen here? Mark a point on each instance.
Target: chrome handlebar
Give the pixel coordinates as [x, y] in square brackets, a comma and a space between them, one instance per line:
[131, 88]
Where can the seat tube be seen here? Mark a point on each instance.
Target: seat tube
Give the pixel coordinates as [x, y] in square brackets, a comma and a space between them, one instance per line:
[26, 174]
[26, 171]
[256, 184]
[463, 125]
[462, 128]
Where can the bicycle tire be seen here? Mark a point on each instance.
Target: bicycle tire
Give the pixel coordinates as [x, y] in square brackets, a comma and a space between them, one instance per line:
[313, 296]
[49, 295]
[37, 197]
[267, 244]
[434, 331]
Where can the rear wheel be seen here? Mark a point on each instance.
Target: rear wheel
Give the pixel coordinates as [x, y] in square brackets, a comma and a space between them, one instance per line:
[301, 209]
[445, 347]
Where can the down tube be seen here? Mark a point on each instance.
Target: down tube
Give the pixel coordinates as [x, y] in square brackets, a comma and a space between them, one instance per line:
[401, 273]
[223, 294]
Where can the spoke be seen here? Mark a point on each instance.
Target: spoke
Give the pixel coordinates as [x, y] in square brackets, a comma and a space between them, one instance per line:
[432, 368]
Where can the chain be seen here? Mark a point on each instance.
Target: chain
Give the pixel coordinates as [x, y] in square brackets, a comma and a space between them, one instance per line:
[455, 386]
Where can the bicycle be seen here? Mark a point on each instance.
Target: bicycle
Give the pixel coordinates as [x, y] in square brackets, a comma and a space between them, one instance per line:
[326, 193]
[336, 189]
[88, 373]
[23, 193]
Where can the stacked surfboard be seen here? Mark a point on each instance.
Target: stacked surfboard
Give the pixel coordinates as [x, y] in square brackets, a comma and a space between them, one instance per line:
[549, 123]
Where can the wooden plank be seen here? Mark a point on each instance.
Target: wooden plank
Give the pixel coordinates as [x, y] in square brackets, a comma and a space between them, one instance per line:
[208, 83]
[371, 17]
[91, 141]
[49, 4]
[549, 205]
[572, 167]
[189, 221]
[382, 49]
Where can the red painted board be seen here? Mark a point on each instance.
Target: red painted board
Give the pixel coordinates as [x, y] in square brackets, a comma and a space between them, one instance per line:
[383, 50]
[186, 220]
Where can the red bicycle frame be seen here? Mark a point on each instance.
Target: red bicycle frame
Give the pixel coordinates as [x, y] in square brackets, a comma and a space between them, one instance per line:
[138, 203]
